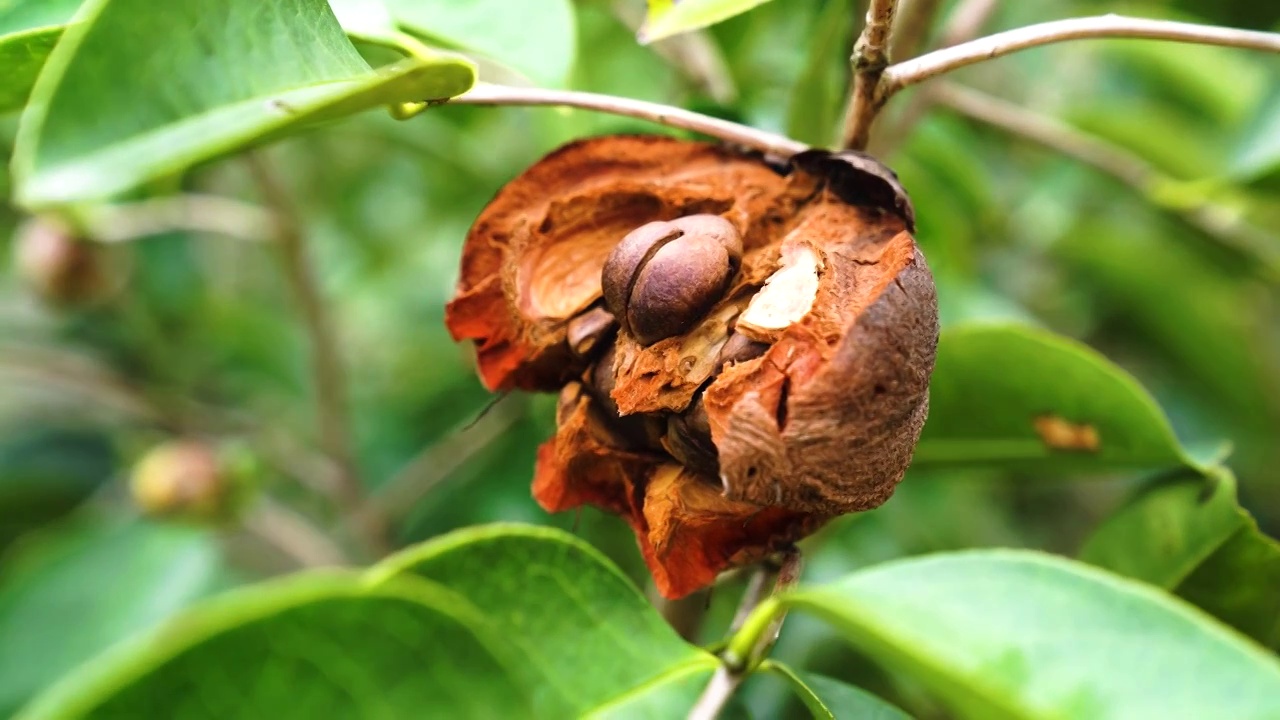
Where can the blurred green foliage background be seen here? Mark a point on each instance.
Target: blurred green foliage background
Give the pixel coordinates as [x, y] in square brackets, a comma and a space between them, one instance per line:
[203, 336]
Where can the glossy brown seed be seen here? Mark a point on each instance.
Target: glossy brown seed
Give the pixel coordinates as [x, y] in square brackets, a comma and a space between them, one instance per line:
[664, 276]
[586, 331]
[740, 348]
[688, 439]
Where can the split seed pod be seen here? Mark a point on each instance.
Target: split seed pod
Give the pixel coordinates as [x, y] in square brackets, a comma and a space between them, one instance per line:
[742, 353]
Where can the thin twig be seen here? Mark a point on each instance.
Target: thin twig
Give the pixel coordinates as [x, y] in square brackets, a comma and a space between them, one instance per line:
[914, 20]
[963, 24]
[192, 212]
[757, 589]
[945, 60]
[489, 94]
[78, 375]
[870, 58]
[436, 463]
[734, 669]
[328, 378]
[292, 534]
[1218, 222]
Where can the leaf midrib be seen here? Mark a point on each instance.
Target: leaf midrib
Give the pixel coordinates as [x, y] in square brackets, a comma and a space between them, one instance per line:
[675, 672]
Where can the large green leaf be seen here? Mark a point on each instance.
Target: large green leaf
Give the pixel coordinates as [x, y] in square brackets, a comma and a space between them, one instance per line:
[1023, 397]
[1011, 634]
[594, 642]
[312, 646]
[672, 17]
[826, 698]
[28, 31]
[131, 94]
[1189, 535]
[537, 38]
[67, 596]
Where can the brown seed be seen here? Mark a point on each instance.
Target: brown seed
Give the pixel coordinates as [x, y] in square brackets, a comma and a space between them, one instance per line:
[633, 431]
[586, 331]
[628, 258]
[688, 439]
[739, 348]
[664, 276]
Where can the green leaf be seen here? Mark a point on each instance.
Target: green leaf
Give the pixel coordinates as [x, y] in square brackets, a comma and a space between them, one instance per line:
[825, 697]
[818, 93]
[1240, 584]
[593, 641]
[131, 95]
[21, 15]
[1258, 151]
[105, 583]
[1022, 397]
[22, 55]
[47, 471]
[672, 17]
[28, 31]
[1190, 536]
[1012, 634]
[537, 38]
[311, 646]
[1164, 533]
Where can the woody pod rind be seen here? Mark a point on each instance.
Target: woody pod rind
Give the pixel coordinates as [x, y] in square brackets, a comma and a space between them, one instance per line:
[742, 349]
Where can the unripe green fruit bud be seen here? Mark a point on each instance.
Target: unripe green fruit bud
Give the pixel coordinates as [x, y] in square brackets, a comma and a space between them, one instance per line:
[60, 268]
[188, 479]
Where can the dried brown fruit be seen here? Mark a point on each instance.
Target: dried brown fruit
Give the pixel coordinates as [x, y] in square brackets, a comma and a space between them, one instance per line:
[751, 392]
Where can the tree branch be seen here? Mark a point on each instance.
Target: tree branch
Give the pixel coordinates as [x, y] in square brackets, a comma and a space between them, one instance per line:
[945, 60]
[488, 94]
[870, 58]
[434, 464]
[292, 534]
[328, 378]
[736, 664]
[191, 212]
[86, 380]
[963, 24]
[1218, 222]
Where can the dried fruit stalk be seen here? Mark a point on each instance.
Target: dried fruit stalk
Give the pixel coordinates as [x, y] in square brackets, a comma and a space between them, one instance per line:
[742, 351]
